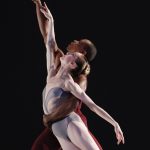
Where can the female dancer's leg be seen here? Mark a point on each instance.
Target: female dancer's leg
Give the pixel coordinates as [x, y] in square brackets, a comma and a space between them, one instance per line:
[72, 134]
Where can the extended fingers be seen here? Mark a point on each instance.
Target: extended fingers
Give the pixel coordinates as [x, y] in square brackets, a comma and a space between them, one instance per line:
[47, 9]
[43, 11]
[45, 6]
[123, 141]
[36, 1]
[120, 138]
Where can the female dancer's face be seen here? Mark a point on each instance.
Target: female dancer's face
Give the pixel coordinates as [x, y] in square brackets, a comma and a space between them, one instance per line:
[69, 59]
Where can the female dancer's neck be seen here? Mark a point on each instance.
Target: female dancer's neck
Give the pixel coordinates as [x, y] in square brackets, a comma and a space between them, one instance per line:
[62, 73]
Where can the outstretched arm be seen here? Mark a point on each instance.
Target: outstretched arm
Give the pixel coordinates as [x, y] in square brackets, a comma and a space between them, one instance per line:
[75, 89]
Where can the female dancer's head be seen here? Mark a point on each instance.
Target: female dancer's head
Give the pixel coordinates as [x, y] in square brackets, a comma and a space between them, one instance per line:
[74, 62]
[84, 46]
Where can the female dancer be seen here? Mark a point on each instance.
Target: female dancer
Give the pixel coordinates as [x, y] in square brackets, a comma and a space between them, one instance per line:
[74, 45]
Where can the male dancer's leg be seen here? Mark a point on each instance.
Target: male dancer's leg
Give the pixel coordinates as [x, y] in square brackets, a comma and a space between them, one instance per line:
[46, 141]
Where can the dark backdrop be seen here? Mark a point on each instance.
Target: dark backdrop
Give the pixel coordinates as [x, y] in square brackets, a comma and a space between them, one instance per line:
[116, 78]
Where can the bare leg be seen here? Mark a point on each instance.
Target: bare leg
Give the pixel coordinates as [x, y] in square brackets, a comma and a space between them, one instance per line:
[79, 135]
[72, 134]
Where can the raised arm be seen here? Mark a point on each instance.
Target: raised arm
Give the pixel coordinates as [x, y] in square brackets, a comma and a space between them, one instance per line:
[75, 89]
[42, 20]
[46, 24]
[50, 42]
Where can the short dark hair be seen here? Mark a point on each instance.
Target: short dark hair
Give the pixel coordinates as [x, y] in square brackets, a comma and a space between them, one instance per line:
[90, 49]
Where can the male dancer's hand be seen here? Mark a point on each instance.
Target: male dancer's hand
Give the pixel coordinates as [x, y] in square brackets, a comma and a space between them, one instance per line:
[45, 120]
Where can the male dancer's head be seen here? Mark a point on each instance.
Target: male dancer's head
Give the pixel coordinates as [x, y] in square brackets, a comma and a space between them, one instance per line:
[84, 46]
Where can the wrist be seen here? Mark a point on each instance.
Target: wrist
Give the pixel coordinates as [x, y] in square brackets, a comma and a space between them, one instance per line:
[115, 124]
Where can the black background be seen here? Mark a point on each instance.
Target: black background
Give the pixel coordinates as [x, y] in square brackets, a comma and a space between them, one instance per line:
[116, 83]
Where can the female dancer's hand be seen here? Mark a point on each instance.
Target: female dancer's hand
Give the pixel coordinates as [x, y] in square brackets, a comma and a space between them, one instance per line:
[44, 9]
[119, 134]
